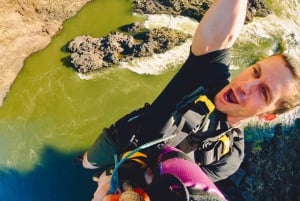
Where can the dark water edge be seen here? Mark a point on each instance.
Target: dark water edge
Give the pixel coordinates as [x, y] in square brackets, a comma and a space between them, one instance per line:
[58, 179]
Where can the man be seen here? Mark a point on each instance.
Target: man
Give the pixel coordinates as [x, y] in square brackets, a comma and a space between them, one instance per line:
[265, 89]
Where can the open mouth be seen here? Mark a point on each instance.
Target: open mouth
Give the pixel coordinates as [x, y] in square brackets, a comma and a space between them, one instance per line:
[230, 97]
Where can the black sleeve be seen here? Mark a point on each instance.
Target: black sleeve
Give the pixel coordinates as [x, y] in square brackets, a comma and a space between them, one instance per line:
[228, 164]
[209, 70]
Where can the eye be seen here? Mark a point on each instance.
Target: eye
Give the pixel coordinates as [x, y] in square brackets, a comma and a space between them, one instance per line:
[256, 72]
[264, 92]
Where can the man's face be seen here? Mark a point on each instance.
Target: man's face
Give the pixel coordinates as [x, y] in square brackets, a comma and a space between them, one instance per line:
[257, 90]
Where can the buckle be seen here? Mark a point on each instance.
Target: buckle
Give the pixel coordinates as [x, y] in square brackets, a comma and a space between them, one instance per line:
[209, 105]
[225, 140]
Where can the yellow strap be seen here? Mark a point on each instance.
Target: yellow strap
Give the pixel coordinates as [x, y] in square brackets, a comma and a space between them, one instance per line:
[226, 144]
[207, 102]
[135, 157]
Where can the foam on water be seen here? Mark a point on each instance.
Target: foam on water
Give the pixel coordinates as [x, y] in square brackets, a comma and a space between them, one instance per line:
[158, 63]
[180, 23]
[287, 26]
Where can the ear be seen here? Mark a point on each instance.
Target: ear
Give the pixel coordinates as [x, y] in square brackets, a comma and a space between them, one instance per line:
[267, 117]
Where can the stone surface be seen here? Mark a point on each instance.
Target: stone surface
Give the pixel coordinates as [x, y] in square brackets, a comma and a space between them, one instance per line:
[90, 54]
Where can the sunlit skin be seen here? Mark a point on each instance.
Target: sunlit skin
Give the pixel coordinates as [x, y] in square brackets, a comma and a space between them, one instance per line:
[256, 91]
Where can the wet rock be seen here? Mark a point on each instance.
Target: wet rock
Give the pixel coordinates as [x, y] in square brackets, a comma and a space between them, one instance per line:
[90, 54]
[133, 27]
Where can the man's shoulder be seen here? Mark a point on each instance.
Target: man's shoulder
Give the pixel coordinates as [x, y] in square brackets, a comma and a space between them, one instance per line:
[218, 56]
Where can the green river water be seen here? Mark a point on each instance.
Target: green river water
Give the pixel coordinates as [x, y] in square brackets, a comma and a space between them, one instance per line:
[51, 115]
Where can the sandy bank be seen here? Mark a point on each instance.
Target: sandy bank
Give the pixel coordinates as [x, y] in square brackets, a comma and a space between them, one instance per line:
[27, 26]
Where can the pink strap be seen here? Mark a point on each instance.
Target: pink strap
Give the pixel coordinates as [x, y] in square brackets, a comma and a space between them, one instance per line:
[189, 173]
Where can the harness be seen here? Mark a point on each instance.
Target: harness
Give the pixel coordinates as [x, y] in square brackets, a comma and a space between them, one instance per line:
[200, 128]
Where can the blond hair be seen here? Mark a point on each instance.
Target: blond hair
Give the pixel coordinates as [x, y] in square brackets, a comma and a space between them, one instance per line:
[291, 102]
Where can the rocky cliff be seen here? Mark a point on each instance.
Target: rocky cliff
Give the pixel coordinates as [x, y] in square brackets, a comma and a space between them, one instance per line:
[27, 26]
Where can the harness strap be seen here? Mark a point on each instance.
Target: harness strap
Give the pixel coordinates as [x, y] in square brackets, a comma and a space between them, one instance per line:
[194, 115]
[199, 127]
[213, 148]
[180, 136]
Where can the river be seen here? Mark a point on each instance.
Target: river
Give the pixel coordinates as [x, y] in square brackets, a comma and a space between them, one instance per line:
[52, 114]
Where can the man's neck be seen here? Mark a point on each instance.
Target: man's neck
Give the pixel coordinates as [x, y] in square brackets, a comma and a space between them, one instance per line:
[236, 121]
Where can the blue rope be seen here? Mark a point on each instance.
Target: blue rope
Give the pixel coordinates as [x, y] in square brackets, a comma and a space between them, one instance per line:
[114, 182]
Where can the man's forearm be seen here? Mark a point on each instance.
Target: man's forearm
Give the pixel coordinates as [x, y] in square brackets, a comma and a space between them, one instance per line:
[220, 26]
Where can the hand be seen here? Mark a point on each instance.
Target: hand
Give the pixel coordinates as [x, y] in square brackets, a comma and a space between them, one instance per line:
[103, 187]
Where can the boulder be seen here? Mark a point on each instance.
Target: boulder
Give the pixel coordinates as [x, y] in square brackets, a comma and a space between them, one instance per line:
[89, 54]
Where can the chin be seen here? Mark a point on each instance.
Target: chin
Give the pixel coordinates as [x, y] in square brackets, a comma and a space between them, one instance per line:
[219, 106]
[219, 102]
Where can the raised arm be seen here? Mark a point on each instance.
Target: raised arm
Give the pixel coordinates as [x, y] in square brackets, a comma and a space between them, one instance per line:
[220, 26]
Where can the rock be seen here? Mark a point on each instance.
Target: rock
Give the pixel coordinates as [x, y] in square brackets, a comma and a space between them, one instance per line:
[193, 8]
[90, 54]
[133, 27]
[271, 172]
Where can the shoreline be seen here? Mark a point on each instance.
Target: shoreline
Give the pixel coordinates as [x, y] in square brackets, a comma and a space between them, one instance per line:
[26, 28]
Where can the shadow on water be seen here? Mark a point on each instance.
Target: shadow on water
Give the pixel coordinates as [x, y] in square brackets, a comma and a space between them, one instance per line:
[66, 61]
[55, 178]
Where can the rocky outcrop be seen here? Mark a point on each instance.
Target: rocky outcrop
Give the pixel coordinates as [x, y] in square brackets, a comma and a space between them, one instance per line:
[193, 8]
[89, 54]
[270, 171]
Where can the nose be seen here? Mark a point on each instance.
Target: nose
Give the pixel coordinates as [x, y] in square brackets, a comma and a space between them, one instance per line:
[249, 86]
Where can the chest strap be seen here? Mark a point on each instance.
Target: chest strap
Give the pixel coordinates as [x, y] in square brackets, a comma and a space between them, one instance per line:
[192, 115]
